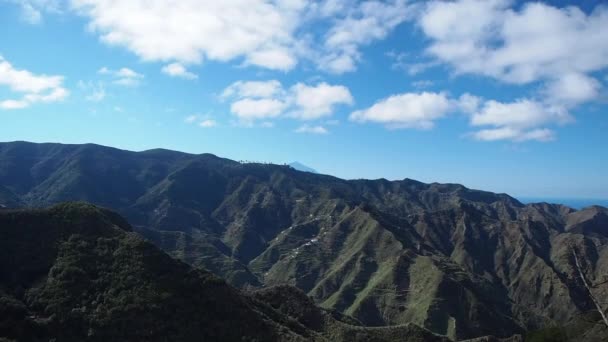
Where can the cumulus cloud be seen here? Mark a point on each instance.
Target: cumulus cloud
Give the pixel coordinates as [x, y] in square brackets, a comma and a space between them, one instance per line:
[33, 88]
[191, 118]
[408, 110]
[364, 23]
[256, 89]
[278, 58]
[123, 76]
[29, 13]
[520, 120]
[313, 102]
[572, 89]
[520, 114]
[202, 120]
[97, 95]
[207, 123]
[412, 64]
[508, 133]
[468, 103]
[557, 49]
[535, 43]
[96, 91]
[252, 109]
[32, 10]
[254, 100]
[25, 81]
[275, 35]
[178, 70]
[312, 129]
[260, 32]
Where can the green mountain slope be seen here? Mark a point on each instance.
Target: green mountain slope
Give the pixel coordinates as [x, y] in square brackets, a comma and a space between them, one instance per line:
[8, 199]
[74, 272]
[459, 262]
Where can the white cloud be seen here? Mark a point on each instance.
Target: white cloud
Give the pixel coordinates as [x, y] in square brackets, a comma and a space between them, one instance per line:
[408, 110]
[33, 88]
[178, 70]
[572, 89]
[558, 49]
[13, 104]
[520, 120]
[258, 31]
[255, 89]
[202, 120]
[521, 46]
[256, 100]
[208, 123]
[127, 73]
[191, 118]
[274, 34]
[127, 82]
[253, 109]
[508, 133]
[329, 8]
[364, 23]
[312, 129]
[97, 95]
[468, 103]
[32, 10]
[29, 13]
[279, 58]
[313, 102]
[123, 76]
[519, 114]
[25, 81]
[339, 63]
[408, 63]
[96, 91]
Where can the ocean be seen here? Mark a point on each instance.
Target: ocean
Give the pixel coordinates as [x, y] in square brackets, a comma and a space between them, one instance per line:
[576, 203]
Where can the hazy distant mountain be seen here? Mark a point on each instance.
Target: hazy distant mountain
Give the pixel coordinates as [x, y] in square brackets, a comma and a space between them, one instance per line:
[459, 262]
[576, 203]
[301, 167]
[74, 272]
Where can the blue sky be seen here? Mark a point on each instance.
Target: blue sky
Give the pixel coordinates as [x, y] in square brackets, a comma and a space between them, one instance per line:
[513, 101]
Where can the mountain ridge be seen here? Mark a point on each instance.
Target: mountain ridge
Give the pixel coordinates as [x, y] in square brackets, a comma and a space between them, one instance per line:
[462, 263]
[301, 167]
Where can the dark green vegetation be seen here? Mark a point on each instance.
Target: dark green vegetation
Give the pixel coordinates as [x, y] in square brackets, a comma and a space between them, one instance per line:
[459, 262]
[74, 272]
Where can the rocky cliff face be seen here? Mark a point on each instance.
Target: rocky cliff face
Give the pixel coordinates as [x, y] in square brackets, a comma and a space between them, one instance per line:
[460, 262]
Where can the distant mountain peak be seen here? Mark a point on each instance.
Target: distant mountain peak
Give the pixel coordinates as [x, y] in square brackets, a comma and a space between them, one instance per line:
[301, 167]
